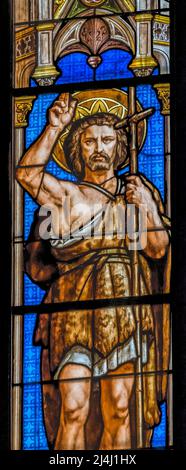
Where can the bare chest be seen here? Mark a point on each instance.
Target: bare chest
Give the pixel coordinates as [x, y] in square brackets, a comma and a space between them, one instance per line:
[82, 209]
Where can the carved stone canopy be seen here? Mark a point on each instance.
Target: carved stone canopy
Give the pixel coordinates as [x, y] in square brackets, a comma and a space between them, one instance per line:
[93, 37]
[93, 34]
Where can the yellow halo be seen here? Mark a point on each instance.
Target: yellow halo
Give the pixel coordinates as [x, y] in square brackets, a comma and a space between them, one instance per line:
[99, 101]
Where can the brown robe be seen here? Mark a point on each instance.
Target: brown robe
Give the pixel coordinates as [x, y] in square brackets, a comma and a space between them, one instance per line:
[97, 268]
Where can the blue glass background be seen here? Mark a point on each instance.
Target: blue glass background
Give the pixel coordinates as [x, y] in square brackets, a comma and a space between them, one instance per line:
[114, 65]
[78, 61]
[151, 163]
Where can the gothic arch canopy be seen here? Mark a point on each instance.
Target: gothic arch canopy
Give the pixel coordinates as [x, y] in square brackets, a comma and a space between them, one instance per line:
[118, 33]
[163, 60]
[63, 7]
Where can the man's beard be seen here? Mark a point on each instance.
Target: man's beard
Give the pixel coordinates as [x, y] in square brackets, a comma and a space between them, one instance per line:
[99, 161]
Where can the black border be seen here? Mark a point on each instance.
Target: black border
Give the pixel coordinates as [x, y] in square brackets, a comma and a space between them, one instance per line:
[5, 223]
[178, 112]
[178, 128]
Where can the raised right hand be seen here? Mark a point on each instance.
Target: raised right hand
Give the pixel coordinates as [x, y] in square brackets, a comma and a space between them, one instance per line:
[62, 112]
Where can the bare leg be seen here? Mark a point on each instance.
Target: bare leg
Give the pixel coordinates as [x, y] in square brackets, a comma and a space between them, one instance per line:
[115, 396]
[75, 399]
[151, 409]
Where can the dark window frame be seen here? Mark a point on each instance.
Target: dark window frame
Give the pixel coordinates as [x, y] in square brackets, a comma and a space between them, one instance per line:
[178, 291]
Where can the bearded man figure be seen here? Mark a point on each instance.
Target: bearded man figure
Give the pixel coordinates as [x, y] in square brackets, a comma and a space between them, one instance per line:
[89, 261]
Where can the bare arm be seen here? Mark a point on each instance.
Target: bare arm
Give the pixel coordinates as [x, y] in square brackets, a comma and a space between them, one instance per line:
[157, 235]
[31, 169]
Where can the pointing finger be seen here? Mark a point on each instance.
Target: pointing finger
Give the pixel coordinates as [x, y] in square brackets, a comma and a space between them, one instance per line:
[73, 106]
[65, 97]
[62, 104]
[57, 109]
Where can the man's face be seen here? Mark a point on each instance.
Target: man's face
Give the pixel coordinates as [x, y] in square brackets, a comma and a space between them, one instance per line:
[98, 147]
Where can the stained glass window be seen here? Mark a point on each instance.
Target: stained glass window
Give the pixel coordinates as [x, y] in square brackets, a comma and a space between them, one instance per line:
[102, 43]
[92, 233]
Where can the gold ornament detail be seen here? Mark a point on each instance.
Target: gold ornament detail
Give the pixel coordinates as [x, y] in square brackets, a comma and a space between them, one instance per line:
[99, 101]
[162, 19]
[92, 3]
[60, 3]
[129, 4]
[45, 75]
[22, 107]
[163, 92]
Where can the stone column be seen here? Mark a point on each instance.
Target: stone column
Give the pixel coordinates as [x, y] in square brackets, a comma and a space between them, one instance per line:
[21, 10]
[146, 5]
[45, 72]
[21, 108]
[163, 92]
[143, 63]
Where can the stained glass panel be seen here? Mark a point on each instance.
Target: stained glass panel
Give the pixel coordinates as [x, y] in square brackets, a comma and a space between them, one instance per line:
[34, 432]
[92, 230]
[40, 10]
[34, 435]
[152, 150]
[150, 158]
[44, 51]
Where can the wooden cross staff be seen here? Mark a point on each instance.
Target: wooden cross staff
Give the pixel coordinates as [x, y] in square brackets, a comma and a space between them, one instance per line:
[132, 123]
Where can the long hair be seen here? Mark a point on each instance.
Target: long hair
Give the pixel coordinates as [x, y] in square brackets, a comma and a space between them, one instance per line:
[72, 144]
